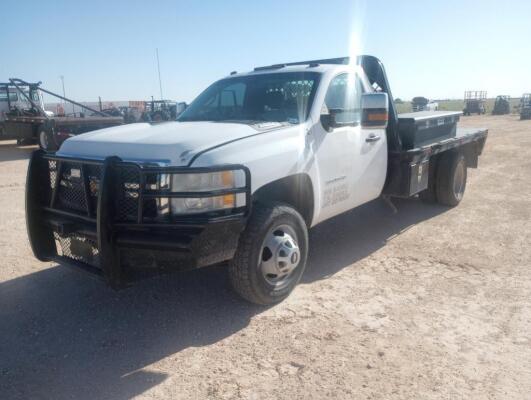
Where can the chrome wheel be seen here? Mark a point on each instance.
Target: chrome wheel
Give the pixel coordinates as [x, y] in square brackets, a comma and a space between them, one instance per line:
[280, 255]
[459, 180]
[43, 139]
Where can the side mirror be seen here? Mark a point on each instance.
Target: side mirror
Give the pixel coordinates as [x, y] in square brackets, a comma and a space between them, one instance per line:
[327, 121]
[339, 117]
[374, 110]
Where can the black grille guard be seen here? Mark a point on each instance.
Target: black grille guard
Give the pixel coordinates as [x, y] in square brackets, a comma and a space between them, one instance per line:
[40, 205]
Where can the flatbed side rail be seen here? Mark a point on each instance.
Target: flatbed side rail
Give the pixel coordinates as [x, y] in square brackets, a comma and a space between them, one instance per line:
[407, 170]
[443, 145]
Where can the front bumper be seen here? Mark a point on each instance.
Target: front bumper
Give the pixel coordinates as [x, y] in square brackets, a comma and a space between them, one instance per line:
[101, 219]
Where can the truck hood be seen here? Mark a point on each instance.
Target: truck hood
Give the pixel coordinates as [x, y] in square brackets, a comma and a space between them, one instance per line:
[168, 143]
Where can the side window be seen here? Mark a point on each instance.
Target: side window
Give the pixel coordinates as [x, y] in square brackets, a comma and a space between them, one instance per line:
[344, 95]
[35, 96]
[12, 96]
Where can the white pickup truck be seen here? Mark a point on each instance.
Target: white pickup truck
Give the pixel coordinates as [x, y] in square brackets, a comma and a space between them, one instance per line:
[253, 163]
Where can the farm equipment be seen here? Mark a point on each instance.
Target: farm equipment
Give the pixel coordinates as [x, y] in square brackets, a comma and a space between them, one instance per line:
[423, 104]
[502, 105]
[475, 102]
[162, 110]
[28, 122]
[128, 113]
[525, 106]
[419, 103]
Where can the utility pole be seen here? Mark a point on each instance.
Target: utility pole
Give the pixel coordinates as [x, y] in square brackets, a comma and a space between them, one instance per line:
[63, 83]
[158, 68]
[64, 94]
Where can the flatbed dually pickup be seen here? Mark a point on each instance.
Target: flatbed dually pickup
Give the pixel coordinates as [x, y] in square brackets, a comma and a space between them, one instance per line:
[253, 163]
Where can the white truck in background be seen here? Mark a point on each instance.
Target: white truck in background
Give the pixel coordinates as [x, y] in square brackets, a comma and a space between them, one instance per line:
[11, 98]
[253, 163]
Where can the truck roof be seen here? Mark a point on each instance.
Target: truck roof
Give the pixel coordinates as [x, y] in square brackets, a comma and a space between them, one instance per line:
[320, 65]
[298, 68]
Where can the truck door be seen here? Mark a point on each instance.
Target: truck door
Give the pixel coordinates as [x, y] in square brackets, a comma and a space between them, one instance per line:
[352, 161]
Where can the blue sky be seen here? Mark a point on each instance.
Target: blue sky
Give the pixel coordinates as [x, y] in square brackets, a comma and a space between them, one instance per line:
[107, 48]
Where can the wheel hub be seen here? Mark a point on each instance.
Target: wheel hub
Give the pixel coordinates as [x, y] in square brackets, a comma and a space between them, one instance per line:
[280, 255]
[459, 180]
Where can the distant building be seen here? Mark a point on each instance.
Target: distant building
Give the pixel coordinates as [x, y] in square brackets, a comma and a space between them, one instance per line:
[68, 108]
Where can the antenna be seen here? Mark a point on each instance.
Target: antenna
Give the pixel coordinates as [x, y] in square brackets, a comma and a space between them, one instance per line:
[158, 68]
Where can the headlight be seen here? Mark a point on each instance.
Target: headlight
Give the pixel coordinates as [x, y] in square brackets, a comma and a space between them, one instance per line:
[207, 182]
[192, 205]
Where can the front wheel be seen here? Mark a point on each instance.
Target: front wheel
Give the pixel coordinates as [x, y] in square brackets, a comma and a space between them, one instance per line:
[271, 255]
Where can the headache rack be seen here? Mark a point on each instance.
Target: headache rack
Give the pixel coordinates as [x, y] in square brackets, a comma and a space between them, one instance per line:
[312, 63]
[92, 207]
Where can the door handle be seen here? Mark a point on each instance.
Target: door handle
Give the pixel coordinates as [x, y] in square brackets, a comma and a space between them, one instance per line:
[372, 138]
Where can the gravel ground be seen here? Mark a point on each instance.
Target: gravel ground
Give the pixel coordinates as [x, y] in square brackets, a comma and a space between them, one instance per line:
[428, 303]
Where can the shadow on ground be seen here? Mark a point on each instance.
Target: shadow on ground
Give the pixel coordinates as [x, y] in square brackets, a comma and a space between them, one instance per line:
[63, 335]
[9, 151]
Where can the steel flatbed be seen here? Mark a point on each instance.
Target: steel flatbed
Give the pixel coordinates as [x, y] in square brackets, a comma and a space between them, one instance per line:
[408, 168]
[476, 136]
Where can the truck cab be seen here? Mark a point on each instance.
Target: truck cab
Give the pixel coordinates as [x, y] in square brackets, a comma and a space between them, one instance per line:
[6, 96]
[253, 163]
[16, 101]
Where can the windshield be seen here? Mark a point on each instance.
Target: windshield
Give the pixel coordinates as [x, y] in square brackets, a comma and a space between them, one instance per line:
[12, 96]
[279, 97]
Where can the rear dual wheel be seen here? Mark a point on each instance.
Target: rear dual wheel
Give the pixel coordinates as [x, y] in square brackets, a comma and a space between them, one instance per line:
[451, 179]
[271, 256]
[447, 180]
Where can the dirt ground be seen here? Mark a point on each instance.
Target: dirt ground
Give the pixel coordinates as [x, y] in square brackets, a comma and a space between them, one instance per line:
[428, 303]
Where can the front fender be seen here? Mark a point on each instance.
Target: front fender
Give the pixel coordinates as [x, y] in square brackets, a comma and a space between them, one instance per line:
[271, 156]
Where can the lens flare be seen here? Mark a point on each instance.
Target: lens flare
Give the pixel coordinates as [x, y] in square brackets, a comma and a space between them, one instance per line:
[355, 48]
[357, 27]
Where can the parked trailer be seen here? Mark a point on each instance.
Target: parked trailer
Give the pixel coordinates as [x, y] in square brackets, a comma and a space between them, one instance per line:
[32, 124]
[475, 102]
[525, 106]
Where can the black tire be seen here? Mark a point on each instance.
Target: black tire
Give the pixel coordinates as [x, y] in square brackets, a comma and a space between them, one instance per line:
[451, 178]
[245, 270]
[47, 140]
